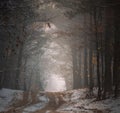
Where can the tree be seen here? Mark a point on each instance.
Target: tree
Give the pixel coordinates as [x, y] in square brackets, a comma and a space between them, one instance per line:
[116, 65]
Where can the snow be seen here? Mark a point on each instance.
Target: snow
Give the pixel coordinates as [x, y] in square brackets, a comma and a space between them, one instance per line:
[77, 94]
[7, 96]
[74, 101]
[34, 107]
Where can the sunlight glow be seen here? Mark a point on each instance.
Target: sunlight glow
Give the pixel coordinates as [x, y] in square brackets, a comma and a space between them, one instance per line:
[55, 83]
[55, 67]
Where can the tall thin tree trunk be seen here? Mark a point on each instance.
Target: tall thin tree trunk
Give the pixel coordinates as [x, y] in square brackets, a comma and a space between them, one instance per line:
[108, 57]
[97, 53]
[116, 65]
[91, 70]
[85, 67]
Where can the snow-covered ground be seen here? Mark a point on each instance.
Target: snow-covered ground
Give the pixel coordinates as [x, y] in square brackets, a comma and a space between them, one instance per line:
[8, 96]
[58, 102]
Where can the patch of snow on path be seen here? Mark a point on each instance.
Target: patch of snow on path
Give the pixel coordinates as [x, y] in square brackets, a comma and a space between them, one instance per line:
[34, 107]
[7, 96]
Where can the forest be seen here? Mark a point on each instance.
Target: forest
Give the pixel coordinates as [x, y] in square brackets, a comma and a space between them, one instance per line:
[64, 51]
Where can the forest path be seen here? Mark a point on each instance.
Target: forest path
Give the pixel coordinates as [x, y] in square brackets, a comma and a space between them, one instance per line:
[74, 101]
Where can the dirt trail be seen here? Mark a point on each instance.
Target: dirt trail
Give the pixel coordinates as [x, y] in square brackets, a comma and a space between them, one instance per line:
[49, 108]
[56, 100]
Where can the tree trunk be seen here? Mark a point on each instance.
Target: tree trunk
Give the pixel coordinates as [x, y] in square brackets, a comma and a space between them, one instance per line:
[108, 57]
[97, 53]
[116, 65]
